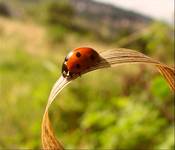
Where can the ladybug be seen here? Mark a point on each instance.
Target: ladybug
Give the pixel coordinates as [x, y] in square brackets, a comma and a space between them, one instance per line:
[78, 61]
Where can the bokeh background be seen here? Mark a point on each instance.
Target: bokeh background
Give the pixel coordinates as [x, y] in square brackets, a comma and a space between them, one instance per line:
[128, 107]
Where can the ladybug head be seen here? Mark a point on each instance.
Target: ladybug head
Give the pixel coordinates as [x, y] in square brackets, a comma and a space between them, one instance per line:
[65, 71]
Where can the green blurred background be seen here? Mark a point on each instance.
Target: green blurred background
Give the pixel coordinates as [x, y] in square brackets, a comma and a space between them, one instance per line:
[128, 107]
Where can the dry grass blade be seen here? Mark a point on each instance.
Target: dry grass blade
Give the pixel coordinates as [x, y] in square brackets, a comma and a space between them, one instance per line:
[109, 58]
[126, 56]
[169, 75]
[49, 140]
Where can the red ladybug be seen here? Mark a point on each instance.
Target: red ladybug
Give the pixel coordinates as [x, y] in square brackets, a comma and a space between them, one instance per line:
[79, 60]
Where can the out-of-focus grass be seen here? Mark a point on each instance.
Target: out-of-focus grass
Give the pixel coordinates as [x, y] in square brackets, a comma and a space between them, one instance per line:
[24, 88]
[126, 107]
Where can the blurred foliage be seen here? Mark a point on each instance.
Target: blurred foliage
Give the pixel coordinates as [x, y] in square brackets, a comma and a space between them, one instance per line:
[58, 13]
[4, 10]
[123, 109]
[57, 16]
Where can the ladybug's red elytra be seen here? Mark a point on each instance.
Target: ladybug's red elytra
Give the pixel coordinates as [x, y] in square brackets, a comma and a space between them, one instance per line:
[79, 60]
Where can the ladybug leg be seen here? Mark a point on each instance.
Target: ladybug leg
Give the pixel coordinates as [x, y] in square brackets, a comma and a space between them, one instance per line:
[79, 74]
[71, 74]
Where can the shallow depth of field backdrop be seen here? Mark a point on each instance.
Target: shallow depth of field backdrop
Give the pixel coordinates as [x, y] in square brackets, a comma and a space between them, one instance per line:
[128, 107]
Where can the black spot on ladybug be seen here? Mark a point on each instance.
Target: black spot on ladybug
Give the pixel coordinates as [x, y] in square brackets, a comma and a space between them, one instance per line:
[78, 66]
[78, 54]
[92, 57]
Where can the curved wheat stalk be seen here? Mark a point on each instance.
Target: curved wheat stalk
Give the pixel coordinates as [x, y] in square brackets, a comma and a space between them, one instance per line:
[109, 58]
